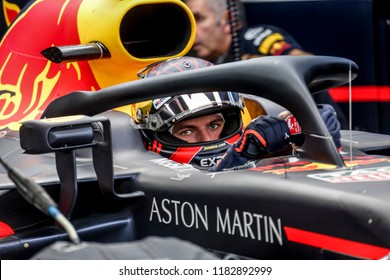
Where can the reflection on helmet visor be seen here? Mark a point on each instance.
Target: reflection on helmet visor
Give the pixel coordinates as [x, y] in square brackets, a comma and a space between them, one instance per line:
[183, 106]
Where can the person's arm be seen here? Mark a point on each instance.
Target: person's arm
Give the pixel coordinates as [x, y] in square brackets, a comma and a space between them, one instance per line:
[266, 134]
[269, 40]
[261, 137]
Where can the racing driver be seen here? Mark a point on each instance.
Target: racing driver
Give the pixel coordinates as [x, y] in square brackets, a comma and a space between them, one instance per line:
[206, 129]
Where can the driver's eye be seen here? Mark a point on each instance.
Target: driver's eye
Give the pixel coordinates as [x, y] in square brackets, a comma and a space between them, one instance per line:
[214, 126]
[185, 132]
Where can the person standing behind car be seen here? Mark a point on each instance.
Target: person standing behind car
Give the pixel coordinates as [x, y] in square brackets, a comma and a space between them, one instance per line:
[214, 39]
[222, 36]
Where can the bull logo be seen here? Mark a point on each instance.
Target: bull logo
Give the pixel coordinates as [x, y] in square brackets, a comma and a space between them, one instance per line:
[15, 106]
[29, 81]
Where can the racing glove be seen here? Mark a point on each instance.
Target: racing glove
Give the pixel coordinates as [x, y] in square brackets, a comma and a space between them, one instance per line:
[262, 136]
[296, 136]
[328, 115]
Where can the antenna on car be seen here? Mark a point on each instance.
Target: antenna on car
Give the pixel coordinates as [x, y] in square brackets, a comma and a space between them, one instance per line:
[350, 112]
[38, 197]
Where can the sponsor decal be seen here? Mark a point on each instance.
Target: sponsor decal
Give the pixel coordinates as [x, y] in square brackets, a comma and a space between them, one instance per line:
[291, 166]
[279, 48]
[351, 176]
[208, 162]
[157, 103]
[253, 226]
[252, 33]
[268, 42]
[293, 125]
[181, 177]
[178, 167]
[181, 116]
[243, 224]
[211, 147]
[282, 165]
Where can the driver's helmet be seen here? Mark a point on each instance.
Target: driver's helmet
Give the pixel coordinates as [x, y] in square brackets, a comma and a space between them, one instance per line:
[156, 117]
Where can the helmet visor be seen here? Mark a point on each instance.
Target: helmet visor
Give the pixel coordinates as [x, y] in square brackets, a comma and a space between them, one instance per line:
[171, 110]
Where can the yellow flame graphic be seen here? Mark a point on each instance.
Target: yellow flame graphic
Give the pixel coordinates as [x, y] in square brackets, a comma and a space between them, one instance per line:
[7, 6]
[40, 92]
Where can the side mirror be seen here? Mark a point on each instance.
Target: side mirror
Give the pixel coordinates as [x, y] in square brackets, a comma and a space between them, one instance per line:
[63, 133]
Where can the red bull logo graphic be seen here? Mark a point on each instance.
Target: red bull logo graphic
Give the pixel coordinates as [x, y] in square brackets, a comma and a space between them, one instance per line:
[282, 168]
[29, 81]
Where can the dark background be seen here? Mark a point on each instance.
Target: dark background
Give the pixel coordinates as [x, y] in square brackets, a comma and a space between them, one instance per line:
[354, 29]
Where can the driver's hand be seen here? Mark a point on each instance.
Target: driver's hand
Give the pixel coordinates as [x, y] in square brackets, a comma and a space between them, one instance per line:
[328, 115]
[262, 136]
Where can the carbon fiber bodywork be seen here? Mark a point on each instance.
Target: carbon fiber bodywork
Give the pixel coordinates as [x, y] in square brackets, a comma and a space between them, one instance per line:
[317, 204]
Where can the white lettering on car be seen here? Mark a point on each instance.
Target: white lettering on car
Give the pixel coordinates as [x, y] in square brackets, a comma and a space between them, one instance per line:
[249, 225]
[179, 167]
[244, 224]
[208, 162]
[188, 214]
